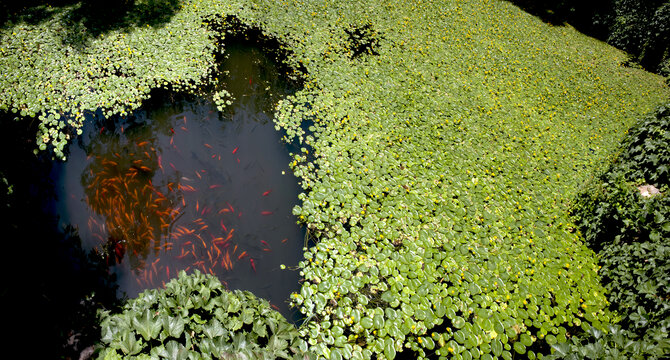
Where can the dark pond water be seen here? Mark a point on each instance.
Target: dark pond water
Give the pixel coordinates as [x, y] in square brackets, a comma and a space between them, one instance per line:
[181, 186]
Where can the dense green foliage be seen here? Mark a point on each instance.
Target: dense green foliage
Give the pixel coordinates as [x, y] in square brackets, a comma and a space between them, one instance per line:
[446, 140]
[196, 316]
[613, 344]
[639, 27]
[630, 232]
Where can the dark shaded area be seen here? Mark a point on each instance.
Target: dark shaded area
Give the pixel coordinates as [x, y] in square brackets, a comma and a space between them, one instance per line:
[639, 27]
[51, 286]
[233, 32]
[90, 18]
[362, 40]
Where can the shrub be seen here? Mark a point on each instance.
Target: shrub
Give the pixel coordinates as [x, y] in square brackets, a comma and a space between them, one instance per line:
[630, 232]
[196, 317]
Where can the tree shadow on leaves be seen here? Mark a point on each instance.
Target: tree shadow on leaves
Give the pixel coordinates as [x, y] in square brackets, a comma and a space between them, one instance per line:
[86, 19]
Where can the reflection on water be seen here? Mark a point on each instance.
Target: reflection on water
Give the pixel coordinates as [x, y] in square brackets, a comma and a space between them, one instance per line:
[180, 186]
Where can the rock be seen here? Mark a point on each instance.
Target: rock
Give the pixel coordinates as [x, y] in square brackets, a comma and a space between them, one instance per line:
[86, 353]
[648, 190]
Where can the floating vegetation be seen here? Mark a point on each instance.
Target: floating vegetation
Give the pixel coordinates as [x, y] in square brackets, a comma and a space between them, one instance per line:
[440, 143]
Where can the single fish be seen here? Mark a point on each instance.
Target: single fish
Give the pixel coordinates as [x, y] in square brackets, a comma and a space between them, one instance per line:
[267, 192]
[235, 150]
[266, 213]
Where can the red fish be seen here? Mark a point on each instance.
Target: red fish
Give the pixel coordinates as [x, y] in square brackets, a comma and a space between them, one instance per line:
[102, 129]
[251, 79]
[140, 144]
[266, 213]
[235, 150]
[284, 240]
[214, 186]
[265, 243]
[253, 266]
[267, 192]
[208, 145]
[172, 130]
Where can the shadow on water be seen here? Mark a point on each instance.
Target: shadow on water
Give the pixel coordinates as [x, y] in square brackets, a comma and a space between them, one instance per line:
[182, 186]
[51, 285]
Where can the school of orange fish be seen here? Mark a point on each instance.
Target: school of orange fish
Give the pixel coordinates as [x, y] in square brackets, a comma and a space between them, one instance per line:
[139, 218]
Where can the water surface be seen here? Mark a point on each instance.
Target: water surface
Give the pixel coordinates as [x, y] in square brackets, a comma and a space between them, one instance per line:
[181, 186]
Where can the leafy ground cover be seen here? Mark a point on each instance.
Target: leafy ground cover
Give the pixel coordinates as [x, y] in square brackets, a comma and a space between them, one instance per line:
[446, 140]
[629, 228]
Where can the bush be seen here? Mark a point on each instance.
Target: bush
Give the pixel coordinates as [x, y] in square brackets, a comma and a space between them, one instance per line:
[630, 232]
[196, 317]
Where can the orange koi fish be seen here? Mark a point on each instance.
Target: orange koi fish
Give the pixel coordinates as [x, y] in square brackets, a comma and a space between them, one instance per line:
[208, 145]
[284, 240]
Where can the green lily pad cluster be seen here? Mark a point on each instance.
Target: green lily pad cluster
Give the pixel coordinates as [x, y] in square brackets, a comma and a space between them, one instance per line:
[195, 316]
[222, 98]
[437, 163]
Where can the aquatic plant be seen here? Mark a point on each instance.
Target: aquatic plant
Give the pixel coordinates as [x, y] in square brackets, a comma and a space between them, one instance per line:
[194, 315]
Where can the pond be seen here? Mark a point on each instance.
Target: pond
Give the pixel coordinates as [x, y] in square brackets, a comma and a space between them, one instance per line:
[181, 186]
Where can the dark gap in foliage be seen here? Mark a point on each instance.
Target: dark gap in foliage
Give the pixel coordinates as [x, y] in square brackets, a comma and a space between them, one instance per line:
[232, 31]
[407, 354]
[362, 40]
